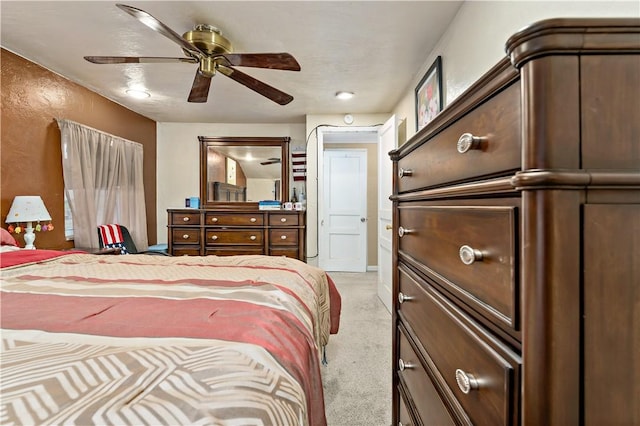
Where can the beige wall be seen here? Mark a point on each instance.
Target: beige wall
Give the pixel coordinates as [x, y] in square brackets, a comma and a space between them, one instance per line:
[475, 40]
[178, 158]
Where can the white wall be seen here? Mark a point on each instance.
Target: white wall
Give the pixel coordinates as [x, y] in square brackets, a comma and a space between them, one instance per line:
[178, 158]
[476, 37]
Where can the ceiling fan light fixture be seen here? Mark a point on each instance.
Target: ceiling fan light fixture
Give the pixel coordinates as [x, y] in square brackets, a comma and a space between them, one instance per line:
[138, 94]
[344, 95]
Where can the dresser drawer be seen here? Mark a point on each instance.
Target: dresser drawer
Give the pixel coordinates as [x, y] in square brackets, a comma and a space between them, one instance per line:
[404, 418]
[460, 348]
[283, 219]
[286, 252]
[184, 218]
[185, 251]
[430, 408]
[283, 237]
[234, 219]
[185, 235]
[437, 161]
[440, 237]
[234, 236]
[233, 250]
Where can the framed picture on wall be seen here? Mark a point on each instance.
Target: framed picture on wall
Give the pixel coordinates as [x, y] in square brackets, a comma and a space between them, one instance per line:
[231, 171]
[429, 95]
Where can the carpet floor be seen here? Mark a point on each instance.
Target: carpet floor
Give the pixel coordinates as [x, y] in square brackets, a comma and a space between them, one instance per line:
[357, 379]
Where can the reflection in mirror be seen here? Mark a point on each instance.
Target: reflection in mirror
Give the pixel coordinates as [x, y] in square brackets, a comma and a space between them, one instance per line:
[254, 170]
[243, 169]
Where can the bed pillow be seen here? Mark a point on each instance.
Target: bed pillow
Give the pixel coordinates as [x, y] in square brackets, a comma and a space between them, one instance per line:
[6, 239]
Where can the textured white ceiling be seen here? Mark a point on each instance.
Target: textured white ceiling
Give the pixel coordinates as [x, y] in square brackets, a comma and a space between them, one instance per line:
[374, 49]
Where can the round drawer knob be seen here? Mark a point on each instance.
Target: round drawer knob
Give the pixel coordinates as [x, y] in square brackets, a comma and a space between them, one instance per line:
[185, 236]
[403, 231]
[468, 142]
[404, 172]
[214, 237]
[466, 382]
[283, 219]
[253, 238]
[214, 219]
[283, 237]
[404, 298]
[185, 219]
[402, 365]
[468, 255]
[253, 219]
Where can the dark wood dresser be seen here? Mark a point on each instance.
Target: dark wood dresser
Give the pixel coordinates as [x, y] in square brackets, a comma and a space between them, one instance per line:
[223, 232]
[517, 251]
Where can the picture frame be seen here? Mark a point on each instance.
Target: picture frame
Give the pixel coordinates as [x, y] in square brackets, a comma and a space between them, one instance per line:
[231, 171]
[428, 95]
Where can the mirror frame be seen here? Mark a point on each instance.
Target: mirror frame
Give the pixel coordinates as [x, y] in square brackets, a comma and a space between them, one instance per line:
[209, 141]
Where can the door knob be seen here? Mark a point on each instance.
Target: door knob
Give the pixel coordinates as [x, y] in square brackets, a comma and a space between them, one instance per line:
[363, 219]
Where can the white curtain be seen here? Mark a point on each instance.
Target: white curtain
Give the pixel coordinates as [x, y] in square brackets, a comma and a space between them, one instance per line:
[103, 179]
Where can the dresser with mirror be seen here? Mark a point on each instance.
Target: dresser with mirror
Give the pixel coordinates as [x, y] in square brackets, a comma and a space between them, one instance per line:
[236, 173]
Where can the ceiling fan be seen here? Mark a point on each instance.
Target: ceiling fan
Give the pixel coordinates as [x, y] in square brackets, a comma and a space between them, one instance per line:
[272, 160]
[205, 46]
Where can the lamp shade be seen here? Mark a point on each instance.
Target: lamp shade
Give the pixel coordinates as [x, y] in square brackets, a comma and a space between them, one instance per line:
[27, 208]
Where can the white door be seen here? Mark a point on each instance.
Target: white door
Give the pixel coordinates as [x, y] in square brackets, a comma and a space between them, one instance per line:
[343, 226]
[387, 140]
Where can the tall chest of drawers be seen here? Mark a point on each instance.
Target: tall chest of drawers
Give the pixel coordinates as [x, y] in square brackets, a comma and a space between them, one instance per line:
[517, 244]
[236, 232]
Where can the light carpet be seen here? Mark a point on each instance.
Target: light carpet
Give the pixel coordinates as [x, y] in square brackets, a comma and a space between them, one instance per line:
[357, 379]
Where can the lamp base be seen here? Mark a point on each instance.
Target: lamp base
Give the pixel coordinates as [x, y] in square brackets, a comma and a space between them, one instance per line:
[29, 237]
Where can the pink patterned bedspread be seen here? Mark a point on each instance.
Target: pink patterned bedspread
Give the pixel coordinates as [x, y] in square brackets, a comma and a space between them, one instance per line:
[89, 339]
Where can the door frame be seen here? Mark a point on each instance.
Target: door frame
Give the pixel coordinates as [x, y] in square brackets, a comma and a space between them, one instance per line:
[385, 212]
[338, 134]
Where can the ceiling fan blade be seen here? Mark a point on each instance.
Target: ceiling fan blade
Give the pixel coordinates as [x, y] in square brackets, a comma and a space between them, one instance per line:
[158, 26]
[136, 60]
[264, 89]
[276, 61]
[200, 88]
[266, 163]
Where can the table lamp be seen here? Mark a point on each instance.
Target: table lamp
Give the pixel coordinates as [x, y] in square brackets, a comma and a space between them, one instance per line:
[28, 209]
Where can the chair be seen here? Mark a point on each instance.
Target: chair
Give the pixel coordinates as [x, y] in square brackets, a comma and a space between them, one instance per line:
[118, 237]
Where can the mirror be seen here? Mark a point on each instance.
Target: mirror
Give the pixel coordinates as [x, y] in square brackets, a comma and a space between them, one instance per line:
[243, 170]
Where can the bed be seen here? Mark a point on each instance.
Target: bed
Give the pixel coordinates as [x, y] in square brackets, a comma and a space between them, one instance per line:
[137, 339]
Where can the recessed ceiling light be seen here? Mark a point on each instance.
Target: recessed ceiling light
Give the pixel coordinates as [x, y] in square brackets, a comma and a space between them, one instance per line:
[344, 95]
[138, 94]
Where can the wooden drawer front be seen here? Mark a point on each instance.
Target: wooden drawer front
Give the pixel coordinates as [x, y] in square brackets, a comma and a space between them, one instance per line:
[427, 402]
[437, 234]
[234, 219]
[185, 251]
[185, 218]
[283, 237]
[282, 219]
[455, 342]
[404, 418]
[438, 161]
[234, 236]
[287, 252]
[185, 236]
[233, 251]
